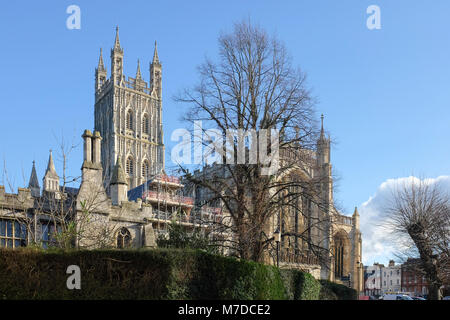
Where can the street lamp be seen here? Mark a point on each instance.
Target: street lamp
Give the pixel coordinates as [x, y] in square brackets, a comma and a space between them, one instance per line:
[277, 237]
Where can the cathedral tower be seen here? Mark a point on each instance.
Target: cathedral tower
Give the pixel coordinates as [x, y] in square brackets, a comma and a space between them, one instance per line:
[128, 115]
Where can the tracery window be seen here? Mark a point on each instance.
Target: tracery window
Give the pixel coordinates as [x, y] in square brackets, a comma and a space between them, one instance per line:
[129, 166]
[123, 238]
[145, 124]
[129, 119]
[145, 169]
[339, 258]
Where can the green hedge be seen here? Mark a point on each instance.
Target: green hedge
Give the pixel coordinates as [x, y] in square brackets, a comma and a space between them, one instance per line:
[151, 274]
[135, 274]
[334, 291]
[300, 285]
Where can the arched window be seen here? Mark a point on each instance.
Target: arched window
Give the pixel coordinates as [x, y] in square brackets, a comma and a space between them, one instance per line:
[129, 166]
[130, 120]
[145, 124]
[339, 258]
[123, 238]
[145, 169]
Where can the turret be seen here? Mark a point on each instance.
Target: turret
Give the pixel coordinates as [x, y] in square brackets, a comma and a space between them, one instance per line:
[357, 252]
[100, 72]
[117, 60]
[324, 167]
[155, 74]
[355, 218]
[323, 147]
[33, 184]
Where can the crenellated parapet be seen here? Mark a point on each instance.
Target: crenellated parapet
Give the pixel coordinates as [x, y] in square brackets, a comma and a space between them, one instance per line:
[22, 200]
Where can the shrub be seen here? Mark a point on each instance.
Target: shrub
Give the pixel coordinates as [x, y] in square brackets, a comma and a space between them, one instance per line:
[135, 274]
[334, 291]
[300, 285]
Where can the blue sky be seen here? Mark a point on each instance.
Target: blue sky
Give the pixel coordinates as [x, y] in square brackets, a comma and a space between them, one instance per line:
[385, 93]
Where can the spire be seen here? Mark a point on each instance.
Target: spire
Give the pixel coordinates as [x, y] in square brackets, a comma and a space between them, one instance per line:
[155, 54]
[51, 166]
[51, 179]
[138, 71]
[118, 176]
[322, 134]
[356, 213]
[33, 184]
[117, 41]
[101, 66]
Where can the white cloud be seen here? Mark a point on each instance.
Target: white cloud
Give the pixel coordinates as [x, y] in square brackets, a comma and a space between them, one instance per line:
[378, 244]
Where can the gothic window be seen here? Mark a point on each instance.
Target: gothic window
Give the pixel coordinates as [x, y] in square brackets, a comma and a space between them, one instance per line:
[123, 238]
[129, 120]
[129, 166]
[145, 124]
[145, 169]
[339, 258]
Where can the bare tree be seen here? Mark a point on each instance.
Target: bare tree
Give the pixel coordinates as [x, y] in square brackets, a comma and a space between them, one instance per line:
[55, 215]
[253, 88]
[419, 214]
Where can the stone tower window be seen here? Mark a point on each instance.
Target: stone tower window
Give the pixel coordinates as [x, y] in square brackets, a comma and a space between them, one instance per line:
[145, 169]
[129, 120]
[123, 238]
[129, 166]
[145, 124]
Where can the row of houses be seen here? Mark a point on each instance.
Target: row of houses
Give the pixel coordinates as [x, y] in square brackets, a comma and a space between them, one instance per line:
[380, 279]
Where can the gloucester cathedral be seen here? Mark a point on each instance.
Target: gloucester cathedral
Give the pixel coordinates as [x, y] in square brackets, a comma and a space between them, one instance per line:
[126, 199]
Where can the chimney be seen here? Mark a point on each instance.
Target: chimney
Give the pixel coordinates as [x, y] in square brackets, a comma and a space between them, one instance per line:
[87, 154]
[96, 148]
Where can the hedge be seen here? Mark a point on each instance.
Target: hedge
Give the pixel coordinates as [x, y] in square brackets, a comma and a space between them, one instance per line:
[150, 274]
[300, 285]
[334, 291]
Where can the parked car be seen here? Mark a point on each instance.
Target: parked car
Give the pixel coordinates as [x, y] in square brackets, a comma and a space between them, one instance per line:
[396, 297]
[446, 298]
[418, 298]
